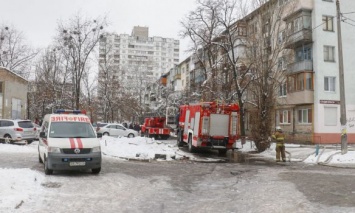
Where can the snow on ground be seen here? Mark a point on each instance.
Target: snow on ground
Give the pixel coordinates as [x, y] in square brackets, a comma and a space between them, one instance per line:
[141, 148]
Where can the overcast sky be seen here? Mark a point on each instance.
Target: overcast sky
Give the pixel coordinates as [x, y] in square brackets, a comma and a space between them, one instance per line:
[37, 19]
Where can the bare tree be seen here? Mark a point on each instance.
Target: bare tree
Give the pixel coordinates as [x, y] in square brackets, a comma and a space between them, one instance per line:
[15, 54]
[219, 45]
[202, 27]
[89, 101]
[77, 39]
[267, 56]
[50, 88]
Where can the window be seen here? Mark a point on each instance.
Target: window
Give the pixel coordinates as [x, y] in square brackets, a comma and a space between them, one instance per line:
[330, 116]
[304, 53]
[309, 81]
[300, 82]
[329, 84]
[328, 23]
[329, 53]
[285, 116]
[281, 37]
[71, 130]
[16, 108]
[283, 90]
[305, 116]
[281, 64]
[296, 25]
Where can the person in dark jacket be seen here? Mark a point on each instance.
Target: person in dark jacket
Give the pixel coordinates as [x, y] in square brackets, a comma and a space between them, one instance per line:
[130, 126]
[137, 127]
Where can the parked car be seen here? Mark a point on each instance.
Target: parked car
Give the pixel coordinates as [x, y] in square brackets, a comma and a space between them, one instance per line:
[98, 125]
[17, 130]
[114, 129]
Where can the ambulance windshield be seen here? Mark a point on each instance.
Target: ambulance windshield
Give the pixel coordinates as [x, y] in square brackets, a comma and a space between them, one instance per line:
[71, 130]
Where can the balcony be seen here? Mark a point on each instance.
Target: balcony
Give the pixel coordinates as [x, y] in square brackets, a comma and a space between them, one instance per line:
[300, 97]
[305, 65]
[299, 38]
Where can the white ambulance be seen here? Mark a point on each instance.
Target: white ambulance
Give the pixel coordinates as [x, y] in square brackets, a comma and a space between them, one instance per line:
[68, 141]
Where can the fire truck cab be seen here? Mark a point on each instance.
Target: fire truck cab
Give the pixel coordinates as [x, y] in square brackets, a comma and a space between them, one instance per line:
[208, 125]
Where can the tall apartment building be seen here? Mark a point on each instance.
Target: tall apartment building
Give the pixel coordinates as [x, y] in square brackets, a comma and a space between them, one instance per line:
[138, 57]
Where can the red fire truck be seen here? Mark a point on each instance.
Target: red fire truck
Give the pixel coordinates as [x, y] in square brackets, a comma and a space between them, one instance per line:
[155, 127]
[208, 125]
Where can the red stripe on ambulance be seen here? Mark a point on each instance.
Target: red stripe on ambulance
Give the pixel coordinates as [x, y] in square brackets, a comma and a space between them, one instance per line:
[72, 143]
[80, 144]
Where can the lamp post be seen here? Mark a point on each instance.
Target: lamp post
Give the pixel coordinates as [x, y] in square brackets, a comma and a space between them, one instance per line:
[344, 138]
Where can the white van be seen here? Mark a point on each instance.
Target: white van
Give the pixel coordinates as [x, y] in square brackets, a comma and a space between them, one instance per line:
[68, 141]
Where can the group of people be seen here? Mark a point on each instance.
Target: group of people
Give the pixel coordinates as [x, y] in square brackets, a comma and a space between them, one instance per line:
[134, 126]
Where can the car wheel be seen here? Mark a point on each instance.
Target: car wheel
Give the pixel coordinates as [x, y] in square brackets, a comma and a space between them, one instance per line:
[7, 138]
[29, 141]
[130, 135]
[96, 171]
[47, 171]
[106, 134]
[191, 147]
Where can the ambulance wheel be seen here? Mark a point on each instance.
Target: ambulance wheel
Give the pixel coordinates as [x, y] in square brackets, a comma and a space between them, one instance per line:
[96, 171]
[46, 170]
[222, 152]
[191, 147]
[39, 158]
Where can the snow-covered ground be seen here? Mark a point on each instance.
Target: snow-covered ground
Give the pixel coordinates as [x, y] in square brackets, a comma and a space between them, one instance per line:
[140, 148]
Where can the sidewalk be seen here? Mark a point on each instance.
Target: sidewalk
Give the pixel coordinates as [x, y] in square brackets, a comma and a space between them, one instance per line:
[327, 155]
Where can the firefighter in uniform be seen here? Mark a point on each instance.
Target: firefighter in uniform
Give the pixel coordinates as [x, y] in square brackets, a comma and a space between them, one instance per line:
[279, 136]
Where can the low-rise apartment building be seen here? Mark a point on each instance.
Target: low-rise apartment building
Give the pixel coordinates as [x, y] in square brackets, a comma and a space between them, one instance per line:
[13, 95]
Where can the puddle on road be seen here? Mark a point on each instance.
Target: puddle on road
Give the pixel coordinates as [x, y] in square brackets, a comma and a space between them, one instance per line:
[238, 157]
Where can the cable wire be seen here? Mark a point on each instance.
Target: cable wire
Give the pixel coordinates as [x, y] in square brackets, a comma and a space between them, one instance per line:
[348, 13]
[348, 18]
[348, 23]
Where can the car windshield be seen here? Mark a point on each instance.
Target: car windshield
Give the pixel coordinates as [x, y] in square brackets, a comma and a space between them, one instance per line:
[25, 124]
[71, 130]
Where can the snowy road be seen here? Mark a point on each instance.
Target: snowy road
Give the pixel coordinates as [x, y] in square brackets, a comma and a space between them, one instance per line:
[174, 186]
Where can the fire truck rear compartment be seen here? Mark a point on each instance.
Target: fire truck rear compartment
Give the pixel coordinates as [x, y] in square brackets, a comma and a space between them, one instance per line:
[219, 124]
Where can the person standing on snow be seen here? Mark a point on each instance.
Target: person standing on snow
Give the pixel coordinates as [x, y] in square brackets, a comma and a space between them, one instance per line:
[137, 127]
[279, 136]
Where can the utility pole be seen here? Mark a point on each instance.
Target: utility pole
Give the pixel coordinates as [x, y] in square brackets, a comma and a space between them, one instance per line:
[344, 137]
